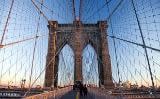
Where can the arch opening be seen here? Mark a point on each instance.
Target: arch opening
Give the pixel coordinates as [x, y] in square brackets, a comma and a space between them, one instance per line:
[66, 66]
[90, 66]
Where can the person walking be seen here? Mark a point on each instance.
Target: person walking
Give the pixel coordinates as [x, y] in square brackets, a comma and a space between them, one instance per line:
[85, 90]
[81, 89]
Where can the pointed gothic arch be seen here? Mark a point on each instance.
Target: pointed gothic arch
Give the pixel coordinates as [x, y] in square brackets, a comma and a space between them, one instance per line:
[66, 66]
[90, 70]
[77, 35]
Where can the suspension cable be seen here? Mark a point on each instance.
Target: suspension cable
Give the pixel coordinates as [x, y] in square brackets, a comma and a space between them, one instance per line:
[114, 42]
[114, 10]
[39, 10]
[74, 9]
[137, 70]
[98, 10]
[45, 6]
[155, 49]
[20, 41]
[34, 48]
[80, 9]
[52, 59]
[144, 66]
[150, 71]
[149, 59]
[6, 24]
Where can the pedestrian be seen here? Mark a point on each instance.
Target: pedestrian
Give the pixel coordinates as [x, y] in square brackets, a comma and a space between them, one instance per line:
[85, 90]
[81, 89]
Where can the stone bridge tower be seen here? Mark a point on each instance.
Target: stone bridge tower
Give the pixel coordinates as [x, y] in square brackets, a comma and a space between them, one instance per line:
[78, 35]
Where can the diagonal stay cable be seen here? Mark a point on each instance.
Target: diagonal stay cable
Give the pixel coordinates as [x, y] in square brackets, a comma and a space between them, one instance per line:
[34, 47]
[6, 23]
[45, 6]
[11, 66]
[65, 68]
[133, 65]
[155, 49]
[144, 43]
[20, 41]
[114, 10]
[39, 10]
[153, 74]
[140, 72]
[149, 59]
[98, 10]
[122, 58]
[114, 42]
[45, 67]
[144, 55]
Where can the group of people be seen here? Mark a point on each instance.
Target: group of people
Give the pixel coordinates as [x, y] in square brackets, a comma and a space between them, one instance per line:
[83, 90]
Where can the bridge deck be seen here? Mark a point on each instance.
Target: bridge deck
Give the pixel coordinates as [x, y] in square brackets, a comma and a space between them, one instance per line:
[75, 95]
[93, 93]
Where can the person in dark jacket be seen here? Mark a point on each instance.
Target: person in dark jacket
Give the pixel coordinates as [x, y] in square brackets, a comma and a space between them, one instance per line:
[85, 90]
[81, 89]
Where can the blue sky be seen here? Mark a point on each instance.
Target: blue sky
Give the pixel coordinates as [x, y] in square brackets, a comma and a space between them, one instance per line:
[15, 60]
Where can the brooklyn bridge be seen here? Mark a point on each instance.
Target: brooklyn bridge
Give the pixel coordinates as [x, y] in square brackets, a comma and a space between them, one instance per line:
[52, 49]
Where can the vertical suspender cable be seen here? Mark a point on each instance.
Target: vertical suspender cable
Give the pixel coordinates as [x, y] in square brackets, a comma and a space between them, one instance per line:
[4, 31]
[52, 60]
[73, 6]
[34, 49]
[114, 44]
[80, 9]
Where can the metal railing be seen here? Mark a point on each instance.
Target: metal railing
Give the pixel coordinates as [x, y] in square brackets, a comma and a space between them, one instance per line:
[55, 94]
[99, 93]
